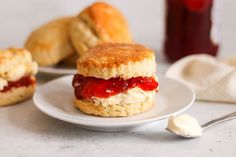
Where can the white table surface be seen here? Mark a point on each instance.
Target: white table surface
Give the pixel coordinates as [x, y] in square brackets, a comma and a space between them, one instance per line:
[26, 132]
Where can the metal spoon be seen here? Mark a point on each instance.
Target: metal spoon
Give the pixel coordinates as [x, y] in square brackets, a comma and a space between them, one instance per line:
[207, 125]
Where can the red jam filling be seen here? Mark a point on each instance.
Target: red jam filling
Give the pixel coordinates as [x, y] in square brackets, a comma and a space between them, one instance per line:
[88, 87]
[25, 81]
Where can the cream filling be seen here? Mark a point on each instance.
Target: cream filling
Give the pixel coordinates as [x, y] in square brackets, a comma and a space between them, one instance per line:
[17, 72]
[21, 70]
[184, 125]
[3, 83]
[134, 95]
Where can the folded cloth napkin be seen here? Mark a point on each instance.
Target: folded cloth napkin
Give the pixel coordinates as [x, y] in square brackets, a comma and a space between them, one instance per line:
[211, 79]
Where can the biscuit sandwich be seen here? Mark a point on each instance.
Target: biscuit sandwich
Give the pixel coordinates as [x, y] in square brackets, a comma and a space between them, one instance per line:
[17, 81]
[97, 24]
[115, 79]
[50, 43]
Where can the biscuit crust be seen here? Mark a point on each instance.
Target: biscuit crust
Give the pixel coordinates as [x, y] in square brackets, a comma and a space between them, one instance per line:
[111, 60]
[16, 63]
[16, 95]
[51, 43]
[114, 110]
[97, 24]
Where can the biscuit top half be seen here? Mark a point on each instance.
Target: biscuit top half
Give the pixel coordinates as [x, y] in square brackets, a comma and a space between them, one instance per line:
[111, 60]
[107, 22]
[16, 63]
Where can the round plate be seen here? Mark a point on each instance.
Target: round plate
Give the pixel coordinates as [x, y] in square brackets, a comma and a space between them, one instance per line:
[56, 99]
[57, 70]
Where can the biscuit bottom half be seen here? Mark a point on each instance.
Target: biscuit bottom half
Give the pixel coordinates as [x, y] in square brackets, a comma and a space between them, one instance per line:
[16, 95]
[113, 110]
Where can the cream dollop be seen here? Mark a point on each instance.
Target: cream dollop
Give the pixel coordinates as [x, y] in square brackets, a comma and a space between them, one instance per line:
[184, 125]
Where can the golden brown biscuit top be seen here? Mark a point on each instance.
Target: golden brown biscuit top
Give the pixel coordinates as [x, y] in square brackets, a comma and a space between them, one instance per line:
[114, 54]
[15, 63]
[13, 54]
[108, 22]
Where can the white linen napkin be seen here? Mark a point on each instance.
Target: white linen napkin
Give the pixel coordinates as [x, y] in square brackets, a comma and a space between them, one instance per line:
[211, 79]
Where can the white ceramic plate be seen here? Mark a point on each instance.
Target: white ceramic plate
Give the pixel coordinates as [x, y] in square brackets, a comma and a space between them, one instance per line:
[56, 99]
[57, 70]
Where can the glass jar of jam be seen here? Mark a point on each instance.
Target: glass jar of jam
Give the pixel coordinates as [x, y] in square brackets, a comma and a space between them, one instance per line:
[191, 28]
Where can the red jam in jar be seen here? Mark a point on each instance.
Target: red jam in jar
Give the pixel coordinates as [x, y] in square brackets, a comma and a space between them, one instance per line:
[25, 81]
[191, 28]
[88, 87]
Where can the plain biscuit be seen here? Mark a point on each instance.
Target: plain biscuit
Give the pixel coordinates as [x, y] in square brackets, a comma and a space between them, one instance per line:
[51, 43]
[97, 24]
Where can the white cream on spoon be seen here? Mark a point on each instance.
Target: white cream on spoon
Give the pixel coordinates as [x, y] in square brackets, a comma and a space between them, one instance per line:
[184, 125]
[188, 127]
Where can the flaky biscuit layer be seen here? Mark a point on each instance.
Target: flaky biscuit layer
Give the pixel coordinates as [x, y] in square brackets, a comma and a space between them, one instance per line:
[16, 95]
[112, 60]
[114, 110]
